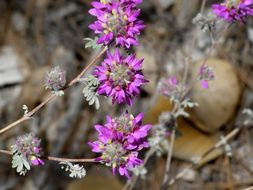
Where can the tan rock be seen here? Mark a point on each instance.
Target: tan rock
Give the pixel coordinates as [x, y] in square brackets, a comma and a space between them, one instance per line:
[184, 11]
[96, 181]
[217, 104]
[34, 90]
[192, 144]
[150, 68]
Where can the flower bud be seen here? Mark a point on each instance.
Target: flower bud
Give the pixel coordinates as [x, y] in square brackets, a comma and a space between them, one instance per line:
[205, 75]
[29, 146]
[55, 79]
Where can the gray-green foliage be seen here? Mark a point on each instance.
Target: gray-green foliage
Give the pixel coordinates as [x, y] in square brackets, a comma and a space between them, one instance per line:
[25, 108]
[89, 91]
[248, 112]
[206, 23]
[158, 140]
[75, 170]
[19, 161]
[140, 171]
[92, 43]
[187, 103]
[58, 93]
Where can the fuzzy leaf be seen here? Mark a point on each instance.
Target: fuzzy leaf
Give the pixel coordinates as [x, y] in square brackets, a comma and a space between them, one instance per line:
[97, 104]
[26, 164]
[92, 43]
[76, 171]
[20, 163]
[89, 90]
[248, 112]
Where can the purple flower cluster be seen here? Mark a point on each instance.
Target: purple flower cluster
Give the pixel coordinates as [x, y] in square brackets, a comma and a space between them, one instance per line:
[234, 10]
[29, 146]
[117, 20]
[120, 77]
[205, 75]
[117, 25]
[171, 88]
[119, 142]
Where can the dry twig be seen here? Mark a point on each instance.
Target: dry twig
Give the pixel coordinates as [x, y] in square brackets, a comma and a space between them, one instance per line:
[52, 96]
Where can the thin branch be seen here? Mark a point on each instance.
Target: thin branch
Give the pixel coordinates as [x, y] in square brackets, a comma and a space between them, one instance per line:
[248, 188]
[202, 6]
[5, 152]
[52, 96]
[75, 80]
[57, 159]
[168, 162]
[173, 135]
[70, 159]
[229, 176]
[21, 120]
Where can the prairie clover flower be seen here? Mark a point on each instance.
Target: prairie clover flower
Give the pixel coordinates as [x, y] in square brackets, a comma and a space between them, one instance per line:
[29, 147]
[171, 88]
[205, 75]
[133, 2]
[120, 77]
[234, 10]
[119, 142]
[117, 20]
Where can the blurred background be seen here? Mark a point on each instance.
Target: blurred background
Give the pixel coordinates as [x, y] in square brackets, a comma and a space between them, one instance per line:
[38, 34]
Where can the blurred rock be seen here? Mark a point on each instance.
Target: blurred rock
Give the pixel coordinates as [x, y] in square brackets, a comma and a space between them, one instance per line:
[13, 67]
[33, 90]
[66, 122]
[146, 5]
[14, 70]
[192, 144]
[164, 4]
[63, 12]
[19, 22]
[217, 104]
[62, 57]
[244, 153]
[185, 13]
[150, 68]
[101, 180]
[250, 34]
[9, 95]
[160, 104]
[29, 185]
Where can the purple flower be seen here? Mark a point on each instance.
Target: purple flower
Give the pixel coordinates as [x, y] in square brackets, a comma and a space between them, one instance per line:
[119, 142]
[171, 87]
[234, 10]
[120, 77]
[29, 146]
[36, 161]
[205, 75]
[133, 2]
[117, 20]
